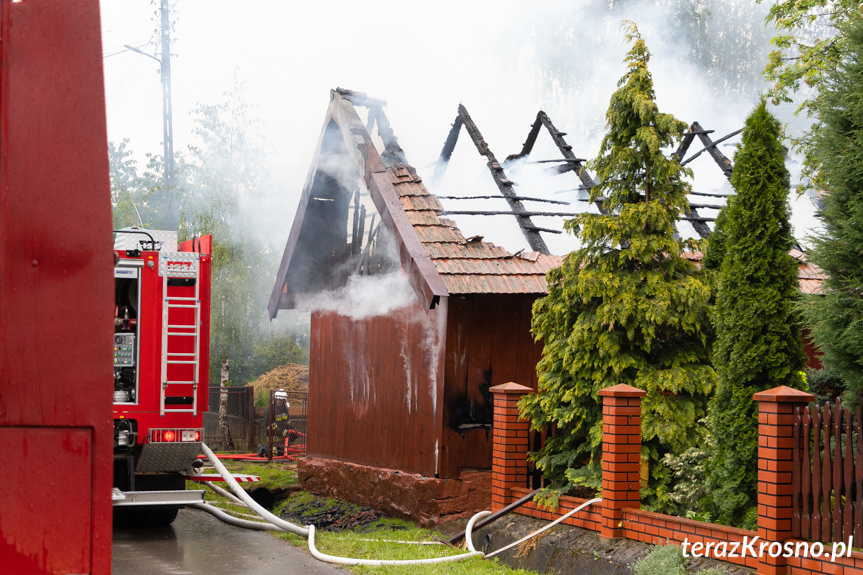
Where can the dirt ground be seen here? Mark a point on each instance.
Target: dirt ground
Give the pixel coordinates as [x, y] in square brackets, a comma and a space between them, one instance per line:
[328, 514]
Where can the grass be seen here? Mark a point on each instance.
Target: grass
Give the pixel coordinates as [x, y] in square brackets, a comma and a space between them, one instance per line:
[273, 476]
[373, 541]
[380, 543]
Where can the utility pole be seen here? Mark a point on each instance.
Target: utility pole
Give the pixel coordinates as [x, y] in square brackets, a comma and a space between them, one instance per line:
[171, 220]
[167, 119]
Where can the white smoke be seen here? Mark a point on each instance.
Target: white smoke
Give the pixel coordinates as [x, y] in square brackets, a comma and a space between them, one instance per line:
[364, 296]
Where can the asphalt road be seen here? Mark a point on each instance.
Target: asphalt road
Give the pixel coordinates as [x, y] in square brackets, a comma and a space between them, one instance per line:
[199, 544]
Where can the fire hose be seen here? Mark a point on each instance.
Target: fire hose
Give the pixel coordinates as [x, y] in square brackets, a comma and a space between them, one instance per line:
[278, 524]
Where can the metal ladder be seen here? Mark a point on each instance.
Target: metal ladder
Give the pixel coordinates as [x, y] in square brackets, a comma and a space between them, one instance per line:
[184, 265]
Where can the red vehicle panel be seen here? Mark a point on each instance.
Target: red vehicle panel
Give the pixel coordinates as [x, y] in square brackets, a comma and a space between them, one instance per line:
[55, 291]
[161, 358]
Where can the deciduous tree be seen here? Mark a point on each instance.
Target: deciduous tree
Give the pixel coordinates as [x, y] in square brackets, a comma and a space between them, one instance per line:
[810, 44]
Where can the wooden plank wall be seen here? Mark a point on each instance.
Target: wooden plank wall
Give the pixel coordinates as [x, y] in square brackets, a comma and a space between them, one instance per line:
[488, 343]
[375, 386]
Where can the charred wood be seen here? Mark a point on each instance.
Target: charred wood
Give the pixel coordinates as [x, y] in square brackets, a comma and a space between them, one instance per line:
[520, 198]
[534, 240]
[447, 150]
[527, 147]
[713, 145]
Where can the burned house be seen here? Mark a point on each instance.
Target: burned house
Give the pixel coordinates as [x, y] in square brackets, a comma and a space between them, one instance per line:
[402, 394]
[411, 322]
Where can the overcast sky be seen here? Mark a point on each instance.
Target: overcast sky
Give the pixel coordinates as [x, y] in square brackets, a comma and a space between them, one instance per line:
[504, 60]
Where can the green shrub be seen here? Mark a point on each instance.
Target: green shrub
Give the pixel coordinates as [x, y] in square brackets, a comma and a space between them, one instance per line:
[669, 560]
[825, 384]
[662, 560]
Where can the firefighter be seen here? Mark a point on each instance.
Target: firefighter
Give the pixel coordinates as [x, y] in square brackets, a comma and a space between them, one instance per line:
[281, 430]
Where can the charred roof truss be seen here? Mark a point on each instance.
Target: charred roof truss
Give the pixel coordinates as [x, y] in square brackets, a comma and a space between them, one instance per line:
[569, 163]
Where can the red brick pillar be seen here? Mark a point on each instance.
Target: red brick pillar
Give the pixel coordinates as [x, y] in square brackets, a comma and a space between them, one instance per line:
[509, 444]
[621, 455]
[775, 450]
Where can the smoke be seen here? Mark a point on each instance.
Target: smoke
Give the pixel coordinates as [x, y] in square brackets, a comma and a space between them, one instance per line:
[364, 296]
[503, 60]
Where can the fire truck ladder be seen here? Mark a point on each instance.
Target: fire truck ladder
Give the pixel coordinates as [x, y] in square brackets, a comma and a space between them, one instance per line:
[183, 265]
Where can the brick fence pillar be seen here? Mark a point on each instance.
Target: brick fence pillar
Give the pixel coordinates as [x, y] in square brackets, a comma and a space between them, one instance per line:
[509, 444]
[775, 450]
[621, 455]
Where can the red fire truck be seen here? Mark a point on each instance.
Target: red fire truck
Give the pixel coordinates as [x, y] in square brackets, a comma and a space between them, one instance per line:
[161, 359]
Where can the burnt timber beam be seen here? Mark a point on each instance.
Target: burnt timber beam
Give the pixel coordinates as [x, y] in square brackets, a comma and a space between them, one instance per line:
[693, 206]
[360, 98]
[495, 197]
[393, 153]
[710, 195]
[709, 145]
[724, 164]
[573, 163]
[447, 150]
[713, 145]
[696, 219]
[532, 236]
[503, 213]
[695, 129]
[698, 223]
[549, 214]
[688, 137]
[547, 230]
[556, 161]
[527, 147]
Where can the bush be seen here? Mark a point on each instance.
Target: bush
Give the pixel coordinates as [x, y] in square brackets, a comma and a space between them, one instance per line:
[662, 560]
[669, 560]
[690, 481]
[825, 384]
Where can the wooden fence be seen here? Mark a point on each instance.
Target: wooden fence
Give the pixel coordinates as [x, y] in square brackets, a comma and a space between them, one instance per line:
[827, 473]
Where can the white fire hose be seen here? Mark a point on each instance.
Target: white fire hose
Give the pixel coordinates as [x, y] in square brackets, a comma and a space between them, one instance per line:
[278, 524]
[247, 499]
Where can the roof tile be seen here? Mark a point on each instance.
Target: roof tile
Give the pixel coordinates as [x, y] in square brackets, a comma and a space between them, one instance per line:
[467, 267]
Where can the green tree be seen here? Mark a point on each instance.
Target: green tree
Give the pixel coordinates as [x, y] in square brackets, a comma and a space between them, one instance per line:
[132, 194]
[626, 307]
[224, 173]
[810, 44]
[836, 316]
[758, 344]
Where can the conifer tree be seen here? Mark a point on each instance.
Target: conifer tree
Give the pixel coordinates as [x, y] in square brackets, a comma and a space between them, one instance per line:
[626, 307]
[758, 343]
[836, 316]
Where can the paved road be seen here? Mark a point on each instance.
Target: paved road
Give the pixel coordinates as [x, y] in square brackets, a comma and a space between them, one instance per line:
[199, 544]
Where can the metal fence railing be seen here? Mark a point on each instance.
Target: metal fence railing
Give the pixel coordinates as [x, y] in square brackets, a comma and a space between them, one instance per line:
[240, 415]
